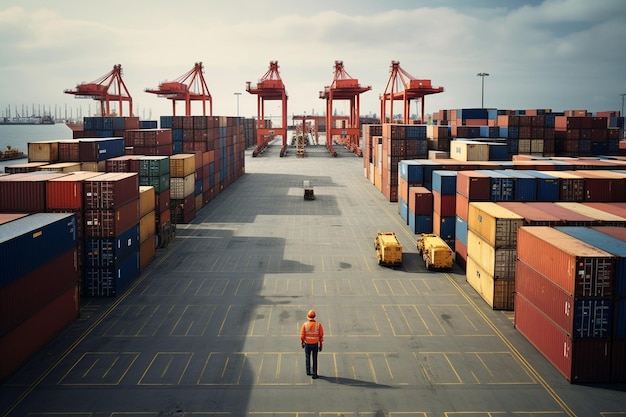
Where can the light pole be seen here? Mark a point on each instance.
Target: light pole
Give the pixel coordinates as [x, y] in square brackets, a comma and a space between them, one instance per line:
[482, 75]
[237, 94]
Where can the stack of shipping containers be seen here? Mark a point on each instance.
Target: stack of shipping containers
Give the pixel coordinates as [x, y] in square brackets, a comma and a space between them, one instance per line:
[182, 187]
[147, 225]
[564, 301]
[444, 205]
[155, 171]
[491, 252]
[39, 283]
[111, 225]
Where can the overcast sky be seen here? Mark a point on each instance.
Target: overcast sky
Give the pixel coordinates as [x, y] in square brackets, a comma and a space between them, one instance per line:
[556, 54]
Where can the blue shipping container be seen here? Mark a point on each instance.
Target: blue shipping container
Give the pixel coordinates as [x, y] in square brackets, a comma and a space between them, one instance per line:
[32, 241]
[111, 281]
[460, 230]
[420, 223]
[412, 171]
[525, 185]
[619, 319]
[444, 182]
[447, 226]
[593, 319]
[107, 252]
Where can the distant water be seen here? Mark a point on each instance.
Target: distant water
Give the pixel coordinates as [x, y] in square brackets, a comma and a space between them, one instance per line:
[19, 136]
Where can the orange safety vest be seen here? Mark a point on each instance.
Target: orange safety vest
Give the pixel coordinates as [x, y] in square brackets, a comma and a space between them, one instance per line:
[312, 334]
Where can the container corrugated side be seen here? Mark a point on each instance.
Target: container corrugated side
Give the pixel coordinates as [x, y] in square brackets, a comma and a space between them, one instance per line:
[547, 185]
[29, 242]
[25, 193]
[444, 182]
[444, 204]
[27, 295]
[499, 294]
[532, 216]
[420, 201]
[27, 339]
[111, 281]
[580, 318]
[182, 165]
[494, 223]
[105, 223]
[43, 151]
[182, 187]
[498, 262]
[579, 268]
[601, 217]
[105, 252]
[473, 185]
[67, 192]
[579, 360]
[568, 217]
[111, 190]
[147, 200]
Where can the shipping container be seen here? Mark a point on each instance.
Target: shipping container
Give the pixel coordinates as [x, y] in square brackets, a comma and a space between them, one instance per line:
[444, 205]
[26, 296]
[444, 182]
[147, 200]
[579, 318]
[106, 252]
[532, 215]
[182, 187]
[147, 252]
[571, 186]
[420, 223]
[111, 190]
[25, 193]
[153, 166]
[182, 165]
[568, 217]
[474, 185]
[113, 280]
[548, 186]
[525, 185]
[100, 149]
[578, 268]
[21, 344]
[494, 223]
[106, 223]
[601, 217]
[499, 263]
[32, 241]
[43, 151]
[464, 150]
[578, 360]
[67, 192]
[499, 294]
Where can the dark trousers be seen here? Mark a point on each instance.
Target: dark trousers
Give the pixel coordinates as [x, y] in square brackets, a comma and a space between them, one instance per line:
[311, 350]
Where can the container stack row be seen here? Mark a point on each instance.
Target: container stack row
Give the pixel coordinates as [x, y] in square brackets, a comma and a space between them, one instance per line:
[39, 283]
[569, 299]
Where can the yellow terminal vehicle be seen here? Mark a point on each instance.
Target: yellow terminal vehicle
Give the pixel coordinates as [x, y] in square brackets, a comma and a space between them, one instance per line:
[436, 253]
[388, 249]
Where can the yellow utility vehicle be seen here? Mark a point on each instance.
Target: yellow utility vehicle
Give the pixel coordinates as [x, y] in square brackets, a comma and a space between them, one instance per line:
[436, 253]
[309, 194]
[388, 249]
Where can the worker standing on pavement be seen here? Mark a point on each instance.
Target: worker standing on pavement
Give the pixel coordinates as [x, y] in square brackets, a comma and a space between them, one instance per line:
[312, 339]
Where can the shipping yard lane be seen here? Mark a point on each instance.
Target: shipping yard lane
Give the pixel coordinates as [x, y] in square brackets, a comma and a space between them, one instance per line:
[211, 328]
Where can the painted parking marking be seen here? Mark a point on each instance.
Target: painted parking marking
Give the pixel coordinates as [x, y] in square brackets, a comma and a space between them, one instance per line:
[213, 287]
[99, 368]
[222, 368]
[166, 368]
[193, 321]
[138, 321]
[407, 320]
[167, 286]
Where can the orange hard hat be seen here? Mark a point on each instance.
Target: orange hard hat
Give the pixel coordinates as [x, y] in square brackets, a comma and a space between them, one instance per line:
[311, 314]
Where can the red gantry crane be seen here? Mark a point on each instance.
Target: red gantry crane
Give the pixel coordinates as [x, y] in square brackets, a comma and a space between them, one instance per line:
[108, 88]
[403, 86]
[269, 87]
[343, 87]
[189, 87]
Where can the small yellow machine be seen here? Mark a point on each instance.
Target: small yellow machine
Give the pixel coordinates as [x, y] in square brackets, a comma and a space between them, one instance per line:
[436, 253]
[388, 249]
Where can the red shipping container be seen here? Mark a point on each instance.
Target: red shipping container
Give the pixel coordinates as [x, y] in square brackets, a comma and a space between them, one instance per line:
[23, 342]
[568, 217]
[578, 360]
[69, 150]
[561, 307]
[532, 215]
[67, 192]
[474, 185]
[111, 190]
[461, 206]
[25, 297]
[576, 267]
[420, 201]
[105, 223]
[445, 205]
[25, 193]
